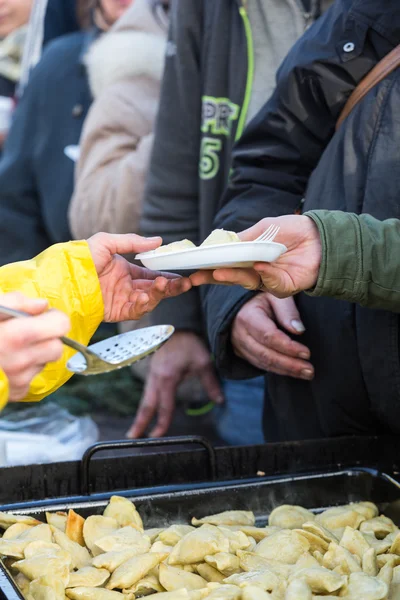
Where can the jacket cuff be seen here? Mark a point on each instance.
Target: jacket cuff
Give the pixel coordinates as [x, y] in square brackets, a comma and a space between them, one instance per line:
[341, 261]
[219, 322]
[83, 271]
[4, 389]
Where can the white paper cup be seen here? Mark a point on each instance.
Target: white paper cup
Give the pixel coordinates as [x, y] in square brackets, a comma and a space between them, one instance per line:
[6, 109]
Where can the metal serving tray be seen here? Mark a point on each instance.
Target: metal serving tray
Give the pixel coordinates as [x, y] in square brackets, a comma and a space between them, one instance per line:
[177, 504]
[316, 491]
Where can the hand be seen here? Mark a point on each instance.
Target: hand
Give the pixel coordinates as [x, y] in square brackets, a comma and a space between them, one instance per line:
[129, 291]
[293, 272]
[257, 339]
[184, 355]
[28, 344]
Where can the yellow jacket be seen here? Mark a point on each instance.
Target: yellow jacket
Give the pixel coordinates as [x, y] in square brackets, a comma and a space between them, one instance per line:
[66, 276]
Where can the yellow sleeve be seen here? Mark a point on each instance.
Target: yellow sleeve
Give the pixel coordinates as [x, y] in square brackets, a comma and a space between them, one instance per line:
[66, 276]
[3, 389]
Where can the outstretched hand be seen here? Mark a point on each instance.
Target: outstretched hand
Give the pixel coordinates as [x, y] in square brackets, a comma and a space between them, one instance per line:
[293, 272]
[130, 291]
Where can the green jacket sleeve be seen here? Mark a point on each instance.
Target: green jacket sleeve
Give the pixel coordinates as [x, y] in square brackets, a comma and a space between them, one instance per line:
[360, 259]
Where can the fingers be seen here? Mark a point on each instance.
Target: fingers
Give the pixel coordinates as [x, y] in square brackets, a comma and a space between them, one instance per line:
[247, 278]
[211, 384]
[158, 398]
[269, 359]
[287, 315]
[129, 243]
[22, 332]
[17, 301]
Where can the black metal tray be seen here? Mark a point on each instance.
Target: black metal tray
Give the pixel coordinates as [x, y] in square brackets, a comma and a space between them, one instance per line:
[163, 505]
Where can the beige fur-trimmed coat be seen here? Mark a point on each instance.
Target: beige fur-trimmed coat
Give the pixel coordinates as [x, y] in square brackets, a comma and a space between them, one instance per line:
[125, 69]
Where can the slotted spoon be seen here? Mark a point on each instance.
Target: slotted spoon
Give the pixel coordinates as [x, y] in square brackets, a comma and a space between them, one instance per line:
[113, 353]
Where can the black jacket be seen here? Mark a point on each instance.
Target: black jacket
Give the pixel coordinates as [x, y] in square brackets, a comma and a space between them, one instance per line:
[272, 166]
[203, 109]
[36, 176]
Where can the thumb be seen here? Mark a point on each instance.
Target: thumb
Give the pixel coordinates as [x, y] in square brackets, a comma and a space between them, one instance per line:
[287, 315]
[211, 384]
[128, 243]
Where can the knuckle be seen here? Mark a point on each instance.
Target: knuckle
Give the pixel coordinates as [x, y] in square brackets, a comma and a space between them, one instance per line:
[266, 360]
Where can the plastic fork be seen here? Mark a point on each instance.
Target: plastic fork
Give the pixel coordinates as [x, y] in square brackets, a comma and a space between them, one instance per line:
[269, 234]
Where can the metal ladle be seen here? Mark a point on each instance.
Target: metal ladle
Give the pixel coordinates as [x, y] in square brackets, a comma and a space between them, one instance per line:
[113, 353]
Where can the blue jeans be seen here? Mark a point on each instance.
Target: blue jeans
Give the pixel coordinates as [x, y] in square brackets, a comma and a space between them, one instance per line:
[239, 421]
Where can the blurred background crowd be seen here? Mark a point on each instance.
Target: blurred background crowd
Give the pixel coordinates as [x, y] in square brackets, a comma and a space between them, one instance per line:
[107, 123]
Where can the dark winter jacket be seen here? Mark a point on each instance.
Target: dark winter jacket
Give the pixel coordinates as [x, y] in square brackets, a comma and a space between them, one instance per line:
[204, 102]
[36, 175]
[354, 350]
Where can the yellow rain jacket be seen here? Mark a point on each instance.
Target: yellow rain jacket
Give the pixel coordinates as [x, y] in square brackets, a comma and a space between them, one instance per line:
[66, 276]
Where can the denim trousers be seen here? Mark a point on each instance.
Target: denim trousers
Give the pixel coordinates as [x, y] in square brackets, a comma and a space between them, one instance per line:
[240, 420]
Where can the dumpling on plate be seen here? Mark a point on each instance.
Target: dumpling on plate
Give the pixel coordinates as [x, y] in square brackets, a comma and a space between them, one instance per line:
[229, 517]
[197, 544]
[74, 527]
[124, 512]
[133, 570]
[220, 236]
[88, 577]
[79, 555]
[176, 246]
[172, 579]
[89, 593]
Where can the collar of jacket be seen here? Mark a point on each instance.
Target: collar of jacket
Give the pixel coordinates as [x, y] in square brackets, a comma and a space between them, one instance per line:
[382, 16]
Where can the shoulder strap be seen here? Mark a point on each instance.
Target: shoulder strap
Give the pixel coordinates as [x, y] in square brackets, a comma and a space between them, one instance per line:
[386, 66]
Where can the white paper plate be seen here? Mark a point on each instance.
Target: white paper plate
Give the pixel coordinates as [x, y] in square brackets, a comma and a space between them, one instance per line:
[239, 254]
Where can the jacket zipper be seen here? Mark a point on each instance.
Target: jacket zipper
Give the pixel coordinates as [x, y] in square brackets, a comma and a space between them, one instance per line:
[250, 69]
